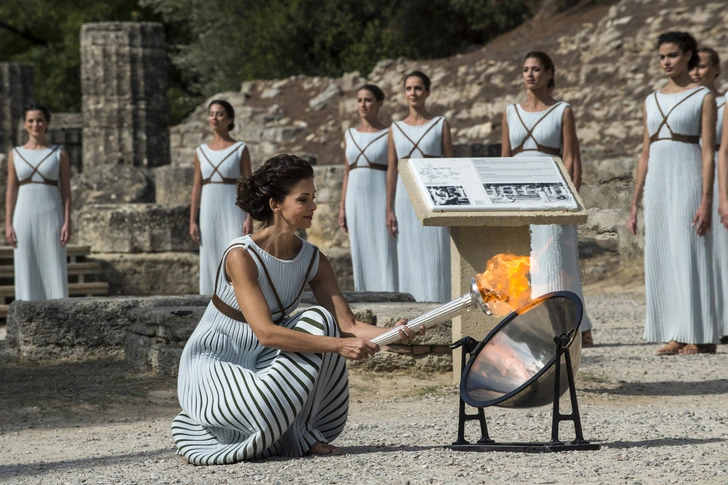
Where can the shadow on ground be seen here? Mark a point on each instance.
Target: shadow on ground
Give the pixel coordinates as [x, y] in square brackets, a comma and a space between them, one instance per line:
[665, 388]
[67, 394]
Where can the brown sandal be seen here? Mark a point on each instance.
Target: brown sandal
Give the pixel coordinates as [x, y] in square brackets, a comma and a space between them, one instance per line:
[672, 348]
[586, 339]
[692, 349]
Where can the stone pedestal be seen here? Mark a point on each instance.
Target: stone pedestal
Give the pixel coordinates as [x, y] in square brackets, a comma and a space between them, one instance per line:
[124, 85]
[16, 90]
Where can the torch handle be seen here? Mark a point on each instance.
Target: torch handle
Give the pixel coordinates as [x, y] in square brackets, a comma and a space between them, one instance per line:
[439, 315]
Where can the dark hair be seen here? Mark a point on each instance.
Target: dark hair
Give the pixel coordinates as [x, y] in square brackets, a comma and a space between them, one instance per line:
[425, 80]
[37, 107]
[375, 90]
[712, 54]
[228, 110]
[546, 63]
[273, 180]
[685, 42]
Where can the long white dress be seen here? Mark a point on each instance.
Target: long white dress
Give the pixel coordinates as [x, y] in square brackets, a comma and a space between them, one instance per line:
[373, 251]
[678, 265]
[720, 238]
[423, 253]
[242, 401]
[554, 248]
[40, 259]
[220, 219]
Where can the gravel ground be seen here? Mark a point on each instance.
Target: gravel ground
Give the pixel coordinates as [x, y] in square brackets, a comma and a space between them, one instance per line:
[658, 420]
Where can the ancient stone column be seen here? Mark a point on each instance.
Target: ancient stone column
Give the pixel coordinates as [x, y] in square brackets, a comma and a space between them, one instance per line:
[124, 86]
[16, 90]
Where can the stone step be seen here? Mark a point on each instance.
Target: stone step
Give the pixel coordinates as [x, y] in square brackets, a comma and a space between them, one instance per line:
[74, 289]
[85, 268]
[6, 252]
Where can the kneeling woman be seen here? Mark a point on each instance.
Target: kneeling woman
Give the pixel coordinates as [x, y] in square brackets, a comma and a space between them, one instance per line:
[253, 381]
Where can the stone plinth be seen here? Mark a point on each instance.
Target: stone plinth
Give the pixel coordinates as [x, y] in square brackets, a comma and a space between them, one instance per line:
[173, 185]
[112, 184]
[134, 228]
[170, 273]
[16, 90]
[124, 85]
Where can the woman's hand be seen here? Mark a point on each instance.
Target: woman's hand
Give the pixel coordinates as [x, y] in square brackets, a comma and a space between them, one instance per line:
[342, 220]
[632, 220]
[195, 232]
[357, 348]
[701, 221]
[10, 236]
[65, 233]
[247, 227]
[392, 223]
[406, 334]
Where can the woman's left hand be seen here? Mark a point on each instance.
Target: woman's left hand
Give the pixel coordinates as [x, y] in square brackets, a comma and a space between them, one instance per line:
[65, 233]
[406, 334]
[701, 221]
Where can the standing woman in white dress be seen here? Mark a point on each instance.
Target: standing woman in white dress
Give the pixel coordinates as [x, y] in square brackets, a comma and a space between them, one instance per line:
[218, 166]
[256, 380]
[423, 253]
[38, 211]
[363, 197]
[544, 127]
[676, 175]
[705, 74]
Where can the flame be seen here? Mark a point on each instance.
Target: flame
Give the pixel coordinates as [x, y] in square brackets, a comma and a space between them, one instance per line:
[504, 284]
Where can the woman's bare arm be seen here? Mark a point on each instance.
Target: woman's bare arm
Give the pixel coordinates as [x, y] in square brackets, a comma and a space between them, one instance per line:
[195, 201]
[703, 217]
[447, 150]
[11, 198]
[245, 171]
[505, 137]
[391, 183]
[723, 170]
[65, 175]
[568, 133]
[344, 185]
[639, 183]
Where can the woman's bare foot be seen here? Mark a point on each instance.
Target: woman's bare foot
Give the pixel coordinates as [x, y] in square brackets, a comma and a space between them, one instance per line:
[672, 348]
[691, 349]
[321, 449]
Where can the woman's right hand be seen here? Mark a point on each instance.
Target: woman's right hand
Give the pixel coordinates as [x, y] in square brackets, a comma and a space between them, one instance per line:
[392, 223]
[10, 236]
[342, 220]
[357, 348]
[195, 232]
[632, 220]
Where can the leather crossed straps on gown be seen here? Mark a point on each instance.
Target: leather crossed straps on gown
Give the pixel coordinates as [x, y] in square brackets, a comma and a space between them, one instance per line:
[415, 146]
[29, 180]
[529, 134]
[691, 139]
[236, 314]
[225, 180]
[375, 166]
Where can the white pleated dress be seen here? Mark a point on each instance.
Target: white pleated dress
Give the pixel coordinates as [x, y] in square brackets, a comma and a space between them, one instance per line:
[678, 262]
[423, 253]
[720, 237]
[40, 259]
[373, 250]
[554, 248]
[220, 219]
[242, 401]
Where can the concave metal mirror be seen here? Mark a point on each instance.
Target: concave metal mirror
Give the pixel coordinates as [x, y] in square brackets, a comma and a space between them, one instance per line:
[514, 365]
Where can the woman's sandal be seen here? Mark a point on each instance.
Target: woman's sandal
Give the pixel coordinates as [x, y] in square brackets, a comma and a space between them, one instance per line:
[672, 348]
[586, 339]
[323, 449]
[692, 349]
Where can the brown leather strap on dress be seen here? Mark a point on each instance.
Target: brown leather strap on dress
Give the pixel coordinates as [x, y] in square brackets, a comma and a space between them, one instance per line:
[529, 134]
[215, 169]
[29, 180]
[691, 139]
[375, 166]
[416, 146]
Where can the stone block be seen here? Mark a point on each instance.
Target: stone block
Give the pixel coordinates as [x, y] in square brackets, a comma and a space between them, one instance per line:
[112, 184]
[16, 90]
[147, 274]
[134, 228]
[340, 259]
[173, 185]
[476, 150]
[325, 231]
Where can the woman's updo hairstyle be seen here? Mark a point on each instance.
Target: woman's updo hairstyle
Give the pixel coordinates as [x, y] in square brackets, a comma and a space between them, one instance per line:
[375, 90]
[546, 63]
[37, 107]
[273, 180]
[228, 110]
[712, 55]
[685, 42]
[421, 75]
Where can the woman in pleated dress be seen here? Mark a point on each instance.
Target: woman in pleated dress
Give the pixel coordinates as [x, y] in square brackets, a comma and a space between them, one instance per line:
[676, 175]
[218, 166]
[544, 127]
[423, 253]
[363, 197]
[254, 379]
[705, 74]
[38, 211]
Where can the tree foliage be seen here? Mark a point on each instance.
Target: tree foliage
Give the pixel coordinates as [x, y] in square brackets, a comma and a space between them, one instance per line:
[216, 44]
